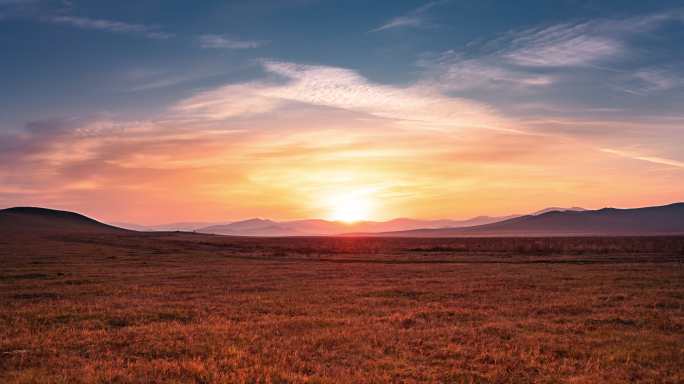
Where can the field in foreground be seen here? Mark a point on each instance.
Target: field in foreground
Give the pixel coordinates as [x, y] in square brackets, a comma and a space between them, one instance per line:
[197, 308]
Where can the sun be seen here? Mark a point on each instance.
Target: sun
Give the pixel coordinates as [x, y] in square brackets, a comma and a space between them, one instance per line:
[350, 208]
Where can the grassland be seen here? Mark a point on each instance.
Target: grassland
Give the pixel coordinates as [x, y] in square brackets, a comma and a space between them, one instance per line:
[142, 308]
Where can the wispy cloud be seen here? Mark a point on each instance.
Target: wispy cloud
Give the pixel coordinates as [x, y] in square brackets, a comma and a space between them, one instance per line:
[650, 159]
[646, 81]
[401, 21]
[654, 79]
[525, 64]
[151, 32]
[417, 106]
[414, 19]
[527, 58]
[225, 42]
[451, 71]
[579, 43]
[166, 81]
[561, 45]
[147, 79]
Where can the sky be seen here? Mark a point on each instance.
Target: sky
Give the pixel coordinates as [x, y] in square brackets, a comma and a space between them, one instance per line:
[160, 111]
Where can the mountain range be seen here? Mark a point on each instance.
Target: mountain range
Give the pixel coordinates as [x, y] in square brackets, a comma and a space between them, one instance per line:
[659, 220]
[319, 227]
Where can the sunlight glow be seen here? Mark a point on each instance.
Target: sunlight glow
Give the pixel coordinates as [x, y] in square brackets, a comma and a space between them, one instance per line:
[351, 207]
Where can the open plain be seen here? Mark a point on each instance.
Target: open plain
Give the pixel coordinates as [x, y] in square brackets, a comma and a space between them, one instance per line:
[181, 307]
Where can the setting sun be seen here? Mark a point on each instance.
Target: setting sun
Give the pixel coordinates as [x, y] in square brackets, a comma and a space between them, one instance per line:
[350, 208]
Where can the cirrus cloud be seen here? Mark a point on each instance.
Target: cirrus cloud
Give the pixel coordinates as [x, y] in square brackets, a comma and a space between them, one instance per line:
[224, 42]
[151, 32]
[414, 19]
[415, 106]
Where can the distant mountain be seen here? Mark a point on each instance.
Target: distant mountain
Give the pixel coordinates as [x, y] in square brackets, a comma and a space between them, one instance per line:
[32, 219]
[251, 227]
[661, 220]
[318, 227]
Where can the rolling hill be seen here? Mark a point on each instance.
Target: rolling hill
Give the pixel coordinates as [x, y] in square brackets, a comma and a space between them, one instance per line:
[659, 220]
[32, 219]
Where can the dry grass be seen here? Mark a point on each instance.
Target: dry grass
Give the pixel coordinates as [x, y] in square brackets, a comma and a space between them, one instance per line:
[195, 308]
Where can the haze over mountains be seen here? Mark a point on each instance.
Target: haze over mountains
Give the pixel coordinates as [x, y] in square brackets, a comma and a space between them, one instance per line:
[319, 227]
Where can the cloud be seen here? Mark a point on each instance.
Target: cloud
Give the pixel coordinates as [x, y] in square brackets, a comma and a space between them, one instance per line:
[649, 80]
[413, 19]
[561, 45]
[579, 43]
[585, 65]
[80, 163]
[417, 106]
[650, 159]
[151, 32]
[141, 79]
[59, 12]
[224, 42]
[164, 82]
[530, 58]
[451, 71]
[654, 79]
[401, 22]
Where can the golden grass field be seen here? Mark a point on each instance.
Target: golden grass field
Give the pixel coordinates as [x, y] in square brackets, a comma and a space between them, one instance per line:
[185, 308]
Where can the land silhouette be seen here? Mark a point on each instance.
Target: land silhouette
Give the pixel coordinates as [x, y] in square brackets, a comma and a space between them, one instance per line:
[658, 220]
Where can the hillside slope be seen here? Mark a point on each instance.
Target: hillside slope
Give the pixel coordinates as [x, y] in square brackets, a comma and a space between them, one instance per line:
[33, 219]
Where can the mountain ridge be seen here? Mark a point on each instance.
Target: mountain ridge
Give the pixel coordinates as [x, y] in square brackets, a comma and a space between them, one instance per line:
[320, 227]
[655, 220]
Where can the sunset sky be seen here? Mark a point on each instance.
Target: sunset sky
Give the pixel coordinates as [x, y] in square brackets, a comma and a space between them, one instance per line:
[160, 111]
